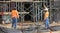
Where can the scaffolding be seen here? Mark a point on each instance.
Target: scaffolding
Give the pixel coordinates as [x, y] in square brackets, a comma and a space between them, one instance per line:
[33, 7]
[54, 10]
[33, 10]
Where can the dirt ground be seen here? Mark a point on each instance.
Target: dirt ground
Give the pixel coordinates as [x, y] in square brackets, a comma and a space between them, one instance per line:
[23, 25]
[27, 23]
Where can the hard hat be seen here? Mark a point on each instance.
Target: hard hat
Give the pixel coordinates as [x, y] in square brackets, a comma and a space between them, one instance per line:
[46, 9]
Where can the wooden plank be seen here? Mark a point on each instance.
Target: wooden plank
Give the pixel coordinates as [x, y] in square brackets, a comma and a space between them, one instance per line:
[19, 12]
[23, 1]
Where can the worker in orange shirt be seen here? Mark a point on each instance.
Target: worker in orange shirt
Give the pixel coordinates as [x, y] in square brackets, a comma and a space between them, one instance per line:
[46, 17]
[14, 15]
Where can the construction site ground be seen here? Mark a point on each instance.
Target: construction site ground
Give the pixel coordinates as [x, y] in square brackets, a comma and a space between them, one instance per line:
[22, 26]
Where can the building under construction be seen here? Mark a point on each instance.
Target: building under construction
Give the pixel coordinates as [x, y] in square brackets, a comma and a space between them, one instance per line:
[30, 11]
[34, 7]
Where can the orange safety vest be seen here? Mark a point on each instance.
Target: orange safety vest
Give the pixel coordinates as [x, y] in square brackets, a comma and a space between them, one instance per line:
[46, 15]
[15, 14]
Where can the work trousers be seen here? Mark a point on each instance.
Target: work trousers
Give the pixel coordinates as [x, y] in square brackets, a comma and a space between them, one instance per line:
[47, 23]
[14, 22]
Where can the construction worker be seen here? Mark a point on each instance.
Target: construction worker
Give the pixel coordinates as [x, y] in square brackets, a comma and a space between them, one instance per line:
[46, 17]
[14, 15]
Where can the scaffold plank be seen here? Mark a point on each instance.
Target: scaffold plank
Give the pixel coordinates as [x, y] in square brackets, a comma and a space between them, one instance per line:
[19, 12]
[23, 1]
